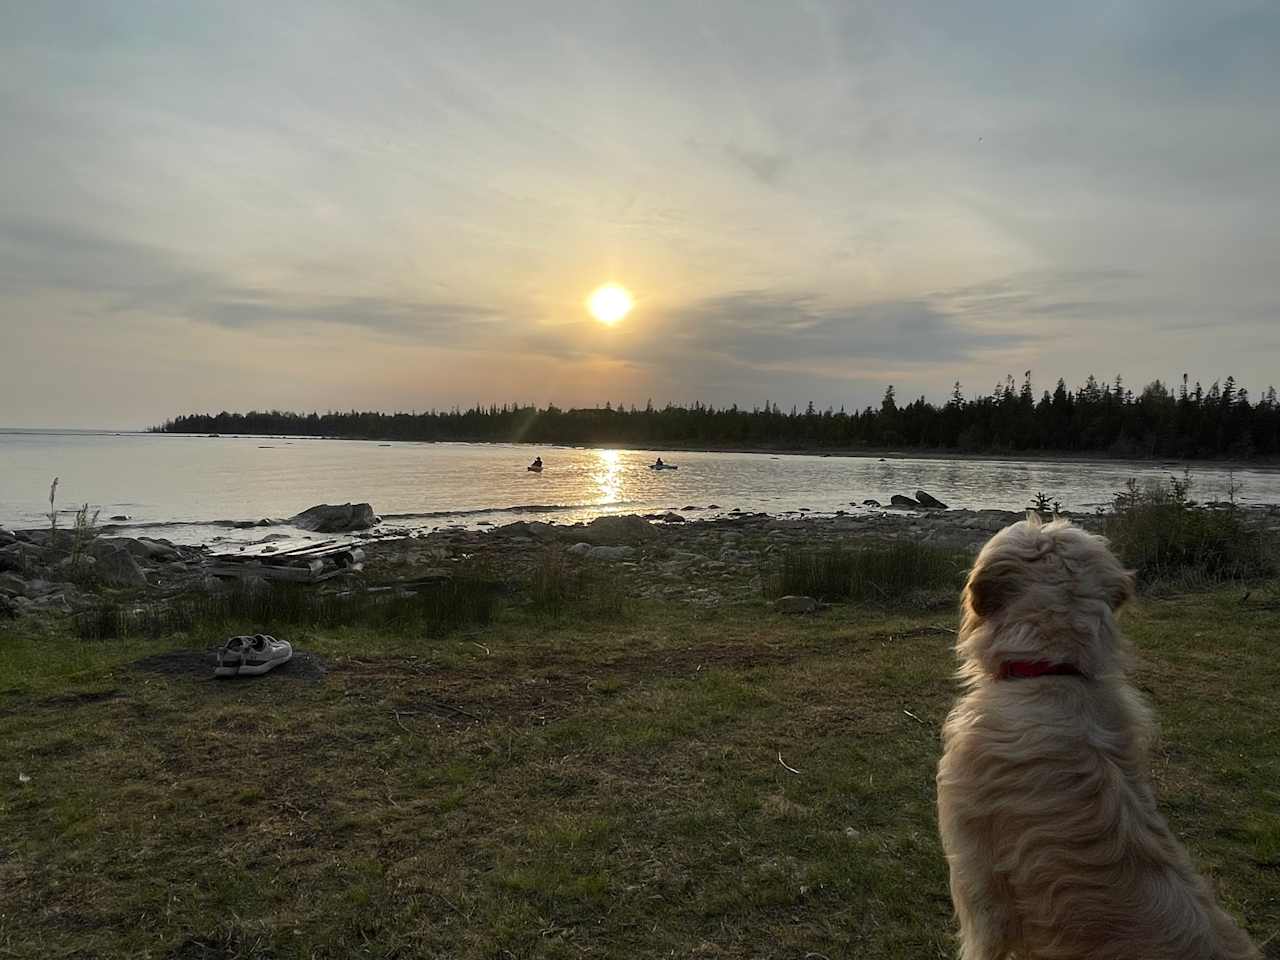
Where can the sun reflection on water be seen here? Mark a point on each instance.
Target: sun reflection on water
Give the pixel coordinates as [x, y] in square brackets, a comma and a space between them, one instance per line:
[608, 476]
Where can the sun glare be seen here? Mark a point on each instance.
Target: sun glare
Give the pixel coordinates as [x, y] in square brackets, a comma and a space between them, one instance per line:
[609, 303]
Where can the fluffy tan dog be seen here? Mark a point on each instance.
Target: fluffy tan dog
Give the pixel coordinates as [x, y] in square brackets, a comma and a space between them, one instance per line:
[1047, 814]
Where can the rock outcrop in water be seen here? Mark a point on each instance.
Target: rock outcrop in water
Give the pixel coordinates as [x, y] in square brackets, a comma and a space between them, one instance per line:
[927, 500]
[341, 518]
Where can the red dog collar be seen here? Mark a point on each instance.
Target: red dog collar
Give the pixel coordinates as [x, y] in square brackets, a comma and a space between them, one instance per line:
[1029, 669]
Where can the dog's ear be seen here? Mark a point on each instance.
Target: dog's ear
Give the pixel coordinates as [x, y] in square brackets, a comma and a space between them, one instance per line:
[1123, 589]
[989, 588]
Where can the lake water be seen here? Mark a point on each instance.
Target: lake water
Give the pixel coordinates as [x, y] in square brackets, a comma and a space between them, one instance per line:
[180, 486]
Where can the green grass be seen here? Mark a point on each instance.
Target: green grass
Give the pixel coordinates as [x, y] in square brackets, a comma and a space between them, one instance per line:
[612, 789]
[894, 574]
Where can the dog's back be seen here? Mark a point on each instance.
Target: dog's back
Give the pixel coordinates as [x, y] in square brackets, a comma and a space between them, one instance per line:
[1055, 844]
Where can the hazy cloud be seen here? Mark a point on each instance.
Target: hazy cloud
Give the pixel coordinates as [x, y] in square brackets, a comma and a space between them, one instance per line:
[805, 198]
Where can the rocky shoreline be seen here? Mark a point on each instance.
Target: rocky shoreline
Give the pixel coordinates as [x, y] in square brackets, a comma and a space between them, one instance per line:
[657, 556]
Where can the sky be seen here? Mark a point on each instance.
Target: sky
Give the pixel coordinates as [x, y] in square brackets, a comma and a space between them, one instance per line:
[404, 206]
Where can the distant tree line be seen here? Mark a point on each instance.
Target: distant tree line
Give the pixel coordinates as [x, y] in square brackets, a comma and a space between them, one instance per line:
[1187, 421]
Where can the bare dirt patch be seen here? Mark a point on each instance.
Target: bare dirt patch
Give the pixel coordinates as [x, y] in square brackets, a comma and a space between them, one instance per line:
[199, 665]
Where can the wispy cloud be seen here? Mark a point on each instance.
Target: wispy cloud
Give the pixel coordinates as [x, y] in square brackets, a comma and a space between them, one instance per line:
[130, 278]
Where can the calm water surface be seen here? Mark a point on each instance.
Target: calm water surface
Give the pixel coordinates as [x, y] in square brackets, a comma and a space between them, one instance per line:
[182, 485]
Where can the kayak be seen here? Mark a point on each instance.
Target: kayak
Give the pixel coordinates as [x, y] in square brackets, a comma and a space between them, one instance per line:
[662, 466]
[534, 469]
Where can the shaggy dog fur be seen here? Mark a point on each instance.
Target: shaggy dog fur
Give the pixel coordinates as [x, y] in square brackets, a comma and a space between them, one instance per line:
[1048, 818]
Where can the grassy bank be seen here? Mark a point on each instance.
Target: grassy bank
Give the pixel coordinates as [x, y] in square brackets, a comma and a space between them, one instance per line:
[706, 783]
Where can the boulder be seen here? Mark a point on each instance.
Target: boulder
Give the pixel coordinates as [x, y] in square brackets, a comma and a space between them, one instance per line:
[796, 604]
[925, 500]
[159, 550]
[898, 500]
[116, 566]
[624, 528]
[328, 518]
[534, 529]
[672, 517]
[871, 503]
[75, 566]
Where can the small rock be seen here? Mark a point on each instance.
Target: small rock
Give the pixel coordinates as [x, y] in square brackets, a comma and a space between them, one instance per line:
[610, 553]
[12, 585]
[672, 518]
[120, 517]
[796, 604]
[871, 503]
[56, 602]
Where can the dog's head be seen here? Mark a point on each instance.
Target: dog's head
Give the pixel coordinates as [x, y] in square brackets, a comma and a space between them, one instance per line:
[1046, 591]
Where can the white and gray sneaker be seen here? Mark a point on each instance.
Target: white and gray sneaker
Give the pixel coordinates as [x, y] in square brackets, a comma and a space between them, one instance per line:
[251, 655]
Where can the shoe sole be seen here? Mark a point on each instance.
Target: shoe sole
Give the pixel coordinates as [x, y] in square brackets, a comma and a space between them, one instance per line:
[255, 669]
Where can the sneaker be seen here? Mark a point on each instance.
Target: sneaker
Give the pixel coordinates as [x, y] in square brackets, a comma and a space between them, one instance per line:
[251, 655]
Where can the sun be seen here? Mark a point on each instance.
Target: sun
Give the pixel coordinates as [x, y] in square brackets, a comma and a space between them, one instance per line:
[609, 303]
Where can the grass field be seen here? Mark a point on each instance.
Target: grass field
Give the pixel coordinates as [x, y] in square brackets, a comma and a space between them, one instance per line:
[648, 782]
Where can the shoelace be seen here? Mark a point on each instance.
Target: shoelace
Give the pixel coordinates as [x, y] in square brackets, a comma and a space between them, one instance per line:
[235, 645]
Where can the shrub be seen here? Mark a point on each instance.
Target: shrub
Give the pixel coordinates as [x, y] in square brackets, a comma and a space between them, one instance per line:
[1161, 532]
[888, 575]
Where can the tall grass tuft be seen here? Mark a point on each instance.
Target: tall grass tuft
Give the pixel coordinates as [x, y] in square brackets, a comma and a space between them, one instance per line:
[559, 583]
[83, 530]
[53, 511]
[1160, 531]
[436, 607]
[891, 575]
[554, 583]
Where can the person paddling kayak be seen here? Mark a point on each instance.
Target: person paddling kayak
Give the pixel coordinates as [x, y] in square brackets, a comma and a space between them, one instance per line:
[536, 466]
